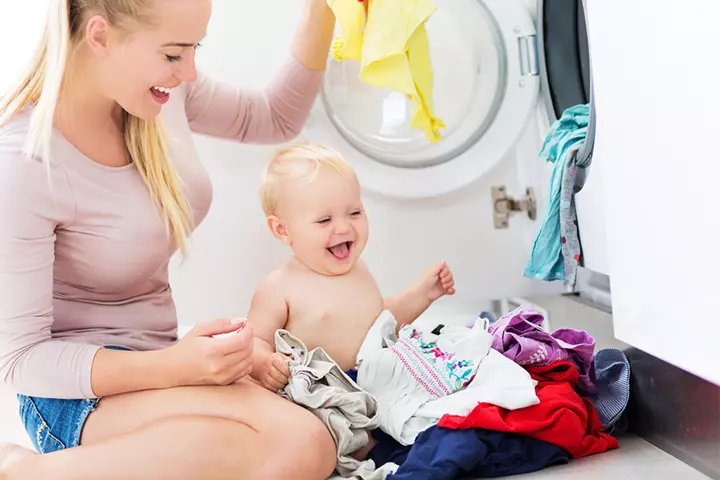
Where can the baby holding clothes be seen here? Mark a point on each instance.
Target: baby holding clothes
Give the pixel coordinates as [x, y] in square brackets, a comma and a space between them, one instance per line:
[324, 295]
[326, 338]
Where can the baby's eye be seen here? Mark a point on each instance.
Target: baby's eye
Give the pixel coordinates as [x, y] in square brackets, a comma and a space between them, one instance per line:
[356, 213]
[323, 220]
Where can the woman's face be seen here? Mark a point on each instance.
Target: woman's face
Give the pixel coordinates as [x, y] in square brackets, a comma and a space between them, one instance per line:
[139, 70]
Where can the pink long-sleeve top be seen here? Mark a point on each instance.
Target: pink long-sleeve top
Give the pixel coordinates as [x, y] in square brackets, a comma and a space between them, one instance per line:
[84, 261]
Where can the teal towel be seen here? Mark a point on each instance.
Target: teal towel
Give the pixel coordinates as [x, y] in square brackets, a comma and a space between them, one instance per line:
[546, 259]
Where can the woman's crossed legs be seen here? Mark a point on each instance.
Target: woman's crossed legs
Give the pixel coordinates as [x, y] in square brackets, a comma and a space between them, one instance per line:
[241, 431]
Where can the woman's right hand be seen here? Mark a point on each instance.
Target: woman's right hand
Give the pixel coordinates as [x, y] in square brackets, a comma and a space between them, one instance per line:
[201, 358]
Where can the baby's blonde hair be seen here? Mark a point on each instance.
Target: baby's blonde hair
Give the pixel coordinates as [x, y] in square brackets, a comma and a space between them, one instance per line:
[298, 163]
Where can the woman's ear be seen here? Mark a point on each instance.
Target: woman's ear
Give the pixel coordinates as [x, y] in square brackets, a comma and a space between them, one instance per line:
[278, 229]
[97, 35]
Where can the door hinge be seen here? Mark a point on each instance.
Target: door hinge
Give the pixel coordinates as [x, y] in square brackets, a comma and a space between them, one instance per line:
[504, 206]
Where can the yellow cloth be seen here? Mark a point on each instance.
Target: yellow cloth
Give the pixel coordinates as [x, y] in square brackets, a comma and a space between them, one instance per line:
[392, 47]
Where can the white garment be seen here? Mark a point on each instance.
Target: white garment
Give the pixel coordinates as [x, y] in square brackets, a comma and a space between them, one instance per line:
[405, 373]
[498, 381]
[318, 384]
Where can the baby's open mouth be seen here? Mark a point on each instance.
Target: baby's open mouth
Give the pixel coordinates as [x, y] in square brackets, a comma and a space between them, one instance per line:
[341, 250]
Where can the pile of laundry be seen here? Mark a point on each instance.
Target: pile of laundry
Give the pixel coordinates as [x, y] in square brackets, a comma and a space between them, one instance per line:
[485, 401]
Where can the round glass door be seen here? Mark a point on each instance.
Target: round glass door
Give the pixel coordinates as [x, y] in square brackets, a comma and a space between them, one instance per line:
[469, 65]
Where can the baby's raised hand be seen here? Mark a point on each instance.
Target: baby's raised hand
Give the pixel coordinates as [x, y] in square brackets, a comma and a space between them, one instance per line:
[274, 372]
[437, 281]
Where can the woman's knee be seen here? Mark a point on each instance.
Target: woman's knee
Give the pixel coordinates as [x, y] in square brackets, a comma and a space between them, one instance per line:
[308, 448]
[288, 437]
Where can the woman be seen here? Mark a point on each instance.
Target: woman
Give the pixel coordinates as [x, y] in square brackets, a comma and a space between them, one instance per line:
[97, 190]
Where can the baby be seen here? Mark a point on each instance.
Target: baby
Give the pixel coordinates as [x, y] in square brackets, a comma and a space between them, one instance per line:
[324, 295]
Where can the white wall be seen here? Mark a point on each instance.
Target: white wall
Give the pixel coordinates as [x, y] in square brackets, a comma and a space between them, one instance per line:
[20, 28]
[233, 250]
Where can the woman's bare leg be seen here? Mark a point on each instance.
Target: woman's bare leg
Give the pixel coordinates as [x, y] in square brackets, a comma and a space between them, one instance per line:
[182, 447]
[11, 453]
[193, 432]
[243, 402]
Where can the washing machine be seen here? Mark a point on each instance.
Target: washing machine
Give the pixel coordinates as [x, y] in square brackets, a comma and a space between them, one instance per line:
[495, 63]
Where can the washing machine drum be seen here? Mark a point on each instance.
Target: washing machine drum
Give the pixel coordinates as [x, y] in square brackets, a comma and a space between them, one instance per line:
[487, 64]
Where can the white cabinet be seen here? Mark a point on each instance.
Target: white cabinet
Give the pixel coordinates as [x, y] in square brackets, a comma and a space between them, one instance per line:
[655, 70]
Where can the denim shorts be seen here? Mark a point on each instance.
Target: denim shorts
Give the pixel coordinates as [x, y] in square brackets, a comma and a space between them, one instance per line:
[55, 424]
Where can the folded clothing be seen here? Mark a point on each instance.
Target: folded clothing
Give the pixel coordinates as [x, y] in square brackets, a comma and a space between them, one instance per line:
[562, 418]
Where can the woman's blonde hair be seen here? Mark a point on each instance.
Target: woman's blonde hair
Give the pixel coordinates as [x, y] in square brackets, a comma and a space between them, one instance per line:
[300, 162]
[42, 86]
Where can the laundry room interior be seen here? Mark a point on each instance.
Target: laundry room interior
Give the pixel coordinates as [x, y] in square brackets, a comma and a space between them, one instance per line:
[619, 93]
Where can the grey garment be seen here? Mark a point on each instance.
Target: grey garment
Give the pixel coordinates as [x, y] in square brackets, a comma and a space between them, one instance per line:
[570, 239]
[318, 384]
[612, 370]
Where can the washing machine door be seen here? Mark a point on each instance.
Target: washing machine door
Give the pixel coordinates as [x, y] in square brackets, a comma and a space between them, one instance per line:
[485, 68]
[564, 57]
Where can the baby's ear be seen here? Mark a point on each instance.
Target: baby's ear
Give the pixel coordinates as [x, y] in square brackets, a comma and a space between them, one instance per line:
[277, 227]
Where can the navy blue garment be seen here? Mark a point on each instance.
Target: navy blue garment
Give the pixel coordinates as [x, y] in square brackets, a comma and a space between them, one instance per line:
[387, 449]
[352, 374]
[445, 454]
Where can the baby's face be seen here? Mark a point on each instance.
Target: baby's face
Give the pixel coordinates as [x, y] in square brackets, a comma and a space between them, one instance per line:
[325, 222]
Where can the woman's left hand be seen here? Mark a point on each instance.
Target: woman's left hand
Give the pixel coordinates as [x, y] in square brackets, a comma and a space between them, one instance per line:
[311, 42]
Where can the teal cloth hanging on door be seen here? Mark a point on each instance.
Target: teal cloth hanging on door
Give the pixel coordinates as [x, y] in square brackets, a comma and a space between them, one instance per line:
[567, 133]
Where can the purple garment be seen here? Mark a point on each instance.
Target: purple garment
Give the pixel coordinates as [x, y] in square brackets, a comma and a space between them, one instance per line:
[520, 337]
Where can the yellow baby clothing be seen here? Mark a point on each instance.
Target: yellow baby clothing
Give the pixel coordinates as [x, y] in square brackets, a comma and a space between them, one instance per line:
[390, 42]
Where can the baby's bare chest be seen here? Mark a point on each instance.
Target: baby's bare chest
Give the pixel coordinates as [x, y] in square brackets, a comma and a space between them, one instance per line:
[335, 315]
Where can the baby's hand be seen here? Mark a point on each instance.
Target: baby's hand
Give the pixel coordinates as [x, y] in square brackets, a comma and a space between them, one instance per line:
[437, 281]
[274, 372]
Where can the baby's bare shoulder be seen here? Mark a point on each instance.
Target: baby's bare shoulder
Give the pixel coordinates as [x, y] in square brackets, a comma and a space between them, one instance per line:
[273, 286]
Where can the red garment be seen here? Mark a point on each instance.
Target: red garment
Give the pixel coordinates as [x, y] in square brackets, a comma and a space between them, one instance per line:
[561, 418]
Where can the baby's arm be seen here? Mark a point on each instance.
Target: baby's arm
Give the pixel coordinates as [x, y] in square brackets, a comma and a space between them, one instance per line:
[268, 312]
[407, 306]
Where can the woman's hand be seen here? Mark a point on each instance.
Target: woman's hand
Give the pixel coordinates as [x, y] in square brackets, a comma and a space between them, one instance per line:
[219, 352]
[313, 35]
